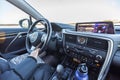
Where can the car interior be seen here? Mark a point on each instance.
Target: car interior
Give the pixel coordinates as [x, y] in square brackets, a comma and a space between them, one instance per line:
[93, 47]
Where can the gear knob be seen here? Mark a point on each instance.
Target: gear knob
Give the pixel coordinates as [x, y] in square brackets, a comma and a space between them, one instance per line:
[60, 69]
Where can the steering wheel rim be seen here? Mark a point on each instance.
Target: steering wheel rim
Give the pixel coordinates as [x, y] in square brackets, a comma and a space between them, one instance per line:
[46, 39]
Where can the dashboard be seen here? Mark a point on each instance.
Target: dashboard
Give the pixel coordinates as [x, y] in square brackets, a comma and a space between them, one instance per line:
[60, 29]
[98, 51]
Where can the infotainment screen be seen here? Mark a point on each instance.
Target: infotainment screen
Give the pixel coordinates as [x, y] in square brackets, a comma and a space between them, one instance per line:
[95, 27]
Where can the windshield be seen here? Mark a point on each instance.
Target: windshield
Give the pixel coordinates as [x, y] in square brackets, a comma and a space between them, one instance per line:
[66, 11]
[71, 11]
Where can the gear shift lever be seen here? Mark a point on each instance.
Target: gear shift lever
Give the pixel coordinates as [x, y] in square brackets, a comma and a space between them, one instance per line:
[60, 69]
[61, 73]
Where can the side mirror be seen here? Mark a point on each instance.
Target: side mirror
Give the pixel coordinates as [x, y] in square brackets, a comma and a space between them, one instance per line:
[25, 23]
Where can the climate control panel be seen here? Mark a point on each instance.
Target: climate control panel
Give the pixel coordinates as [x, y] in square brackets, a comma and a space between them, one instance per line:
[82, 54]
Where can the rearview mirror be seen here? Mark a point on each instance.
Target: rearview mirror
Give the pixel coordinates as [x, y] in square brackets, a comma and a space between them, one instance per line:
[25, 23]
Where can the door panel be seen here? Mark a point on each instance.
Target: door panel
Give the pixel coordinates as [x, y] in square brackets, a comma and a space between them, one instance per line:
[7, 35]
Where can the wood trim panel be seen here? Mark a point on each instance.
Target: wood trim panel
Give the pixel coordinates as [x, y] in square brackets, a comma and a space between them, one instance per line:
[2, 39]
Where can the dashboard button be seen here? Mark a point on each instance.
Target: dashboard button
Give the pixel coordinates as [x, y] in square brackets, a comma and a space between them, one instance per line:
[98, 57]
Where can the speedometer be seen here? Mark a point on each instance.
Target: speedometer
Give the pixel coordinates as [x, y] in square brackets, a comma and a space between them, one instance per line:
[81, 40]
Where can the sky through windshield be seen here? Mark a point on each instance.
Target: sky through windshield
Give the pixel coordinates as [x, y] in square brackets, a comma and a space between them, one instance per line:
[67, 11]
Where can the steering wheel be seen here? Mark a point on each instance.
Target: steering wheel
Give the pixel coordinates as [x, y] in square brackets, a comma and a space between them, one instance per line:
[37, 38]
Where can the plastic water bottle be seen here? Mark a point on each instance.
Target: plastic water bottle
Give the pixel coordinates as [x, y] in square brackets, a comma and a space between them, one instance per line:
[81, 72]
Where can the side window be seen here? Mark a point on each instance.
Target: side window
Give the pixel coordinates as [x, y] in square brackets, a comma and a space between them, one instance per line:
[39, 25]
[10, 15]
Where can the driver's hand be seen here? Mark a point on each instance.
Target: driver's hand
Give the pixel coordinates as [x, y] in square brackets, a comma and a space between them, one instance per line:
[35, 53]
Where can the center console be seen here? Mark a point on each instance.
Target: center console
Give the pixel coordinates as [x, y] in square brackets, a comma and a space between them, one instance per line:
[91, 50]
[86, 49]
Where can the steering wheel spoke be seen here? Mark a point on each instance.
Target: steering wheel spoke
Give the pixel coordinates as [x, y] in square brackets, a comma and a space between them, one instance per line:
[42, 30]
[32, 48]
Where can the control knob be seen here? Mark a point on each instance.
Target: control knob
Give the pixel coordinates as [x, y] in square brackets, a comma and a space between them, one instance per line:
[98, 57]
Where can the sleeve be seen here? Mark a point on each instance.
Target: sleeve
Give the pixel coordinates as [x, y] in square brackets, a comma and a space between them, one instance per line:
[4, 65]
[22, 71]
